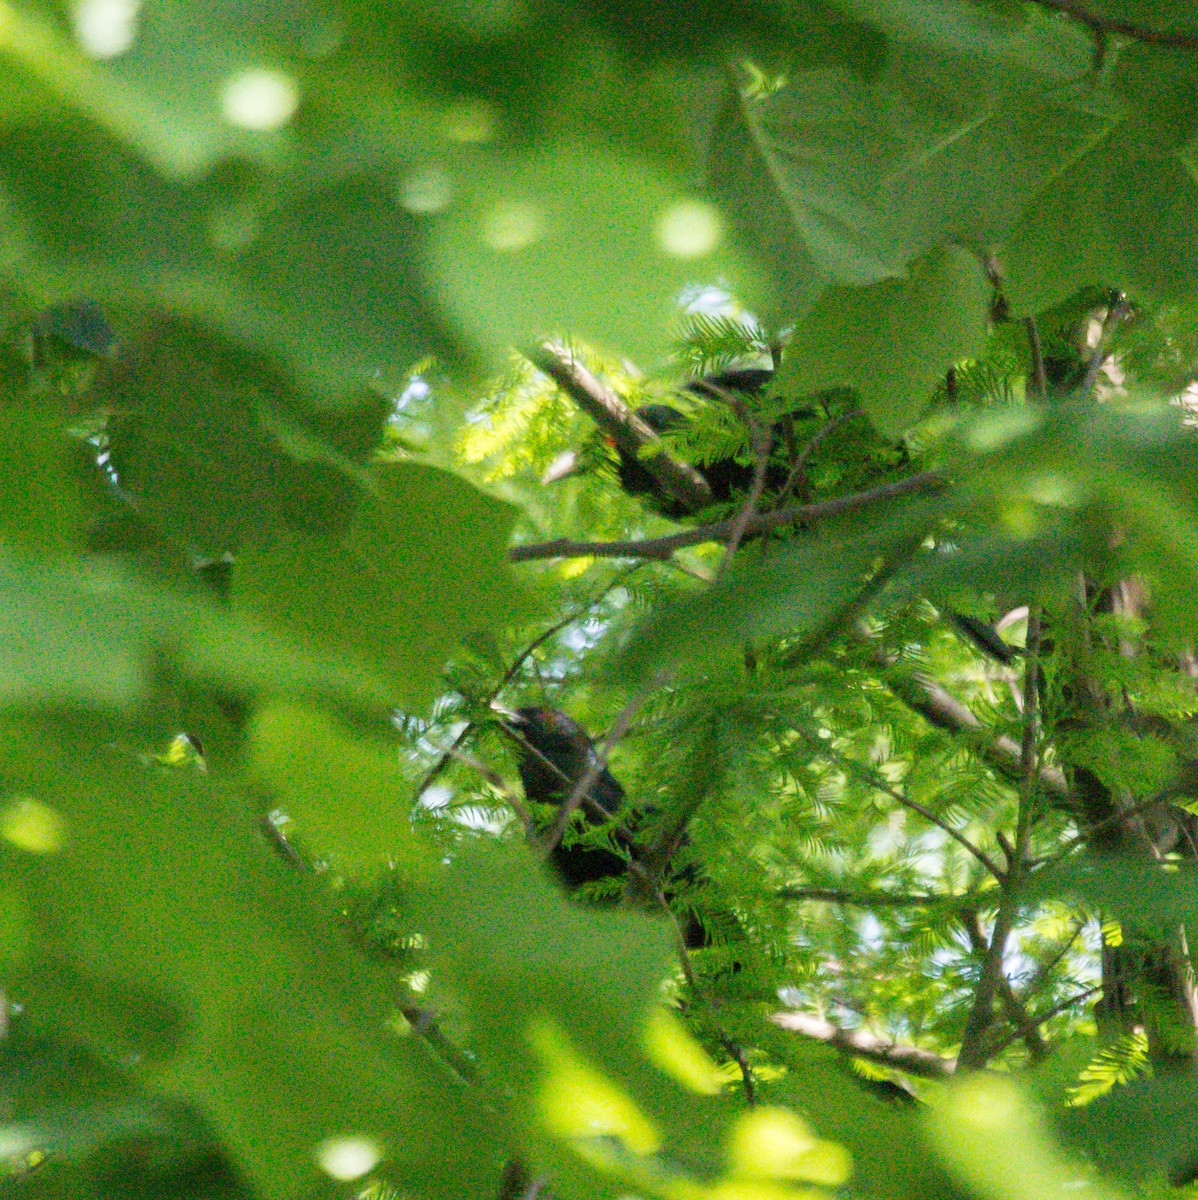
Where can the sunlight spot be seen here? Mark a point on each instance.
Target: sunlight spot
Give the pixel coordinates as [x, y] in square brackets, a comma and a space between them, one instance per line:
[512, 225]
[689, 230]
[426, 190]
[31, 825]
[986, 1104]
[260, 99]
[1051, 488]
[106, 28]
[469, 120]
[347, 1158]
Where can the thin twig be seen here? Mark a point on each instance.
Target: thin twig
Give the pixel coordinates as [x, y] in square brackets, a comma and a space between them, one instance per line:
[763, 443]
[1039, 376]
[1129, 29]
[800, 465]
[877, 899]
[882, 784]
[1043, 1018]
[447, 755]
[927, 482]
[653, 886]
[1119, 311]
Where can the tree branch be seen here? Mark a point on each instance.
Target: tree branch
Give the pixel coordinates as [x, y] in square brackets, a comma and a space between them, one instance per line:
[877, 899]
[721, 531]
[911, 1059]
[940, 708]
[1104, 26]
[619, 422]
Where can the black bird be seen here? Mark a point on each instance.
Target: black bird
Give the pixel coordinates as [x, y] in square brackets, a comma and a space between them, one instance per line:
[553, 754]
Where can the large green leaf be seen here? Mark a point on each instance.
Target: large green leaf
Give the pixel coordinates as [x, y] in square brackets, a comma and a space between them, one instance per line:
[942, 145]
[893, 340]
[1115, 219]
[578, 239]
[420, 566]
[155, 885]
[94, 634]
[220, 448]
[331, 284]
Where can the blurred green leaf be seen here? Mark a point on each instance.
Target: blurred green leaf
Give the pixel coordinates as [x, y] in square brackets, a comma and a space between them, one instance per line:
[420, 566]
[162, 885]
[93, 635]
[798, 590]
[894, 340]
[547, 241]
[344, 792]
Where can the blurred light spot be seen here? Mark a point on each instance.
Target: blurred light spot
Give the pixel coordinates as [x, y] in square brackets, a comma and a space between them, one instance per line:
[689, 230]
[427, 190]
[775, 1143]
[576, 1101]
[106, 28]
[994, 431]
[235, 226]
[512, 225]
[469, 120]
[260, 99]
[1053, 489]
[31, 825]
[671, 1048]
[986, 1104]
[347, 1158]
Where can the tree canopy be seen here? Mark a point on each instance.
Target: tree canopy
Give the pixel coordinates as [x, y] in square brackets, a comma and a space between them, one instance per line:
[598, 599]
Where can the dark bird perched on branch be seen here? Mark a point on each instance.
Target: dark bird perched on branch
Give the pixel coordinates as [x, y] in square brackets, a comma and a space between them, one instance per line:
[553, 754]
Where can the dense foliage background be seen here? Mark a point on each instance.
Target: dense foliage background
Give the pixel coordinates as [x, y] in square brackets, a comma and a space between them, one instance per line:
[323, 499]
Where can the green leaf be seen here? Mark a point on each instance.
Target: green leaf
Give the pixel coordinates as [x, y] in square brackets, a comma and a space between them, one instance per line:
[220, 448]
[545, 241]
[892, 341]
[985, 1125]
[161, 887]
[420, 567]
[343, 791]
[92, 635]
[877, 170]
[1146, 895]
[1113, 220]
[329, 282]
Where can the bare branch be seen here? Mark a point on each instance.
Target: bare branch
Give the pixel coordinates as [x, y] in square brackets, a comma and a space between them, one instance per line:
[763, 443]
[1039, 377]
[927, 482]
[617, 420]
[1104, 26]
[878, 899]
[945, 711]
[804, 455]
[912, 1059]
